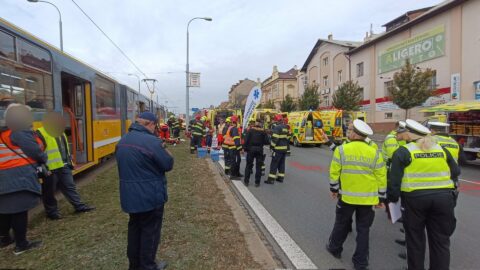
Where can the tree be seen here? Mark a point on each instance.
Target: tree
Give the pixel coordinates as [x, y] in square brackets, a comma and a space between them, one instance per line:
[170, 114]
[348, 96]
[310, 98]
[269, 105]
[411, 86]
[288, 104]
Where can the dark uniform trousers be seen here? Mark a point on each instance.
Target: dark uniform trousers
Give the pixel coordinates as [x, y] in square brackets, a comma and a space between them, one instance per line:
[18, 223]
[257, 156]
[278, 164]
[144, 231]
[364, 216]
[235, 160]
[62, 178]
[435, 213]
[195, 143]
[226, 157]
[176, 133]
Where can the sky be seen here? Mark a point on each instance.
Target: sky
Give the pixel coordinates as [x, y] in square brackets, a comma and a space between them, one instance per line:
[245, 39]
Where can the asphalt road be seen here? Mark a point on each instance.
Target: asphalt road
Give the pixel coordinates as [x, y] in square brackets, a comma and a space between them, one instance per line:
[303, 207]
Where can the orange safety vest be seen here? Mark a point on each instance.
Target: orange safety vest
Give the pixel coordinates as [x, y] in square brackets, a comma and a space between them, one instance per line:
[228, 139]
[10, 159]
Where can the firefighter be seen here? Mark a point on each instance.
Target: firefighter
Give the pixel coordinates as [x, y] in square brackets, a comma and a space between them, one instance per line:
[198, 132]
[226, 147]
[443, 139]
[358, 181]
[174, 125]
[279, 146]
[285, 121]
[425, 176]
[255, 139]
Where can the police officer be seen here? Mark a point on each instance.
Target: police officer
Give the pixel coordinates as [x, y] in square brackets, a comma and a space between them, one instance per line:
[60, 165]
[198, 132]
[255, 139]
[235, 147]
[226, 147]
[392, 141]
[424, 175]
[358, 180]
[279, 145]
[439, 130]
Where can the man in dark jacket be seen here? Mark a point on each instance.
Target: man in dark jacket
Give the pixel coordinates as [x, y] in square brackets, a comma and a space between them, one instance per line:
[142, 163]
[255, 139]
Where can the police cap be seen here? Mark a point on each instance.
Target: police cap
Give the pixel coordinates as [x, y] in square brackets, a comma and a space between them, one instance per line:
[362, 128]
[402, 127]
[438, 124]
[417, 128]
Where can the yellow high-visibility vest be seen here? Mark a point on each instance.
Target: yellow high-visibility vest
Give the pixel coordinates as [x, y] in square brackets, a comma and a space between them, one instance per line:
[428, 169]
[55, 160]
[359, 172]
[450, 144]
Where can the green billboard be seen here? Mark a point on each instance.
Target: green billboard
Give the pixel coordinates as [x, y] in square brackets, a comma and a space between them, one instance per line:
[420, 48]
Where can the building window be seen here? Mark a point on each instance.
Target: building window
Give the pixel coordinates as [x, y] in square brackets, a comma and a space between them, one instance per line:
[362, 93]
[388, 115]
[386, 86]
[275, 90]
[105, 97]
[305, 81]
[325, 61]
[360, 69]
[339, 76]
[325, 80]
[7, 46]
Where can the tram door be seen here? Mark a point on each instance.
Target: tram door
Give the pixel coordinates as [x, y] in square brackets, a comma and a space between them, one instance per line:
[123, 107]
[74, 112]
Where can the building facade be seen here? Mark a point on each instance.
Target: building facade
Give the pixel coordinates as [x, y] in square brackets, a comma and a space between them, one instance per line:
[327, 66]
[444, 38]
[237, 96]
[279, 85]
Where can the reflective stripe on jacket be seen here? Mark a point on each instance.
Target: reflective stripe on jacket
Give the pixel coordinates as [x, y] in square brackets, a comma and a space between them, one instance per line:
[10, 159]
[280, 139]
[358, 173]
[428, 169]
[450, 144]
[55, 160]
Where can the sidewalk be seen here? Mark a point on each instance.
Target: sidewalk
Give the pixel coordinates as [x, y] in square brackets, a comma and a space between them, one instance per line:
[199, 231]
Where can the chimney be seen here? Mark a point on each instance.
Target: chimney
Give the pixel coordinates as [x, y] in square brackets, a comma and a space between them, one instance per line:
[295, 67]
[275, 69]
[330, 37]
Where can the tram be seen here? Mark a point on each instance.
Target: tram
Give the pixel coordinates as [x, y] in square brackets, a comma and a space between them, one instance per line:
[98, 109]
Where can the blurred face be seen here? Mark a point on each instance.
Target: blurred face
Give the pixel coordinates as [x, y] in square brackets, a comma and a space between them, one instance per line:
[402, 136]
[350, 133]
[19, 118]
[54, 124]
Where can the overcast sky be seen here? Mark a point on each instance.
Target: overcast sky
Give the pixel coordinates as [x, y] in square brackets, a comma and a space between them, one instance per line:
[244, 40]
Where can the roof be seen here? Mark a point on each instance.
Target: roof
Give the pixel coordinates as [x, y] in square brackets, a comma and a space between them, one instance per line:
[343, 43]
[291, 74]
[438, 9]
[407, 14]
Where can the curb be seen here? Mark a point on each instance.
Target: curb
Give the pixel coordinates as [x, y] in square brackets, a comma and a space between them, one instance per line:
[259, 248]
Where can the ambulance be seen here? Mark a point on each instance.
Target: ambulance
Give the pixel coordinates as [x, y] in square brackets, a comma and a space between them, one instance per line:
[306, 128]
[335, 123]
[264, 116]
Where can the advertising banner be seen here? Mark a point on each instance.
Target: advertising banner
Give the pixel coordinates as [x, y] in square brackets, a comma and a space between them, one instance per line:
[253, 100]
[420, 48]
[455, 86]
[477, 90]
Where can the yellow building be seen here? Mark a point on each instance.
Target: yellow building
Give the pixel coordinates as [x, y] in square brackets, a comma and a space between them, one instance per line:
[279, 85]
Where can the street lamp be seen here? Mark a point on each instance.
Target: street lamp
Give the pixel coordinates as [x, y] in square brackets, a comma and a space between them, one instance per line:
[138, 77]
[59, 22]
[187, 117]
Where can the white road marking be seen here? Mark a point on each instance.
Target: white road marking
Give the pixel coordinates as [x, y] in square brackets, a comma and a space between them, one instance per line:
[472, 182]
[294, 253]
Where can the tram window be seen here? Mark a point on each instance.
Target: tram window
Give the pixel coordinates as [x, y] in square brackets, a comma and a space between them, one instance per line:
[7, 46]
[20, 84]
[34, 56]
[131, 105]
[105, 97]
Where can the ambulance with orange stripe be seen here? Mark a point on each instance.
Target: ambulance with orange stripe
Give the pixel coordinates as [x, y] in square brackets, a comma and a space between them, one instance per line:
[335, 122]
[306, 127]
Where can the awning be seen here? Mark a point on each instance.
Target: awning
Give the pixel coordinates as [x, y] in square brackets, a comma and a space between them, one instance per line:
[455, 106]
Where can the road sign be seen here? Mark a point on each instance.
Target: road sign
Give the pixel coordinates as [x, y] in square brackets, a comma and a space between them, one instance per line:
[194, 79]
[195, 109]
